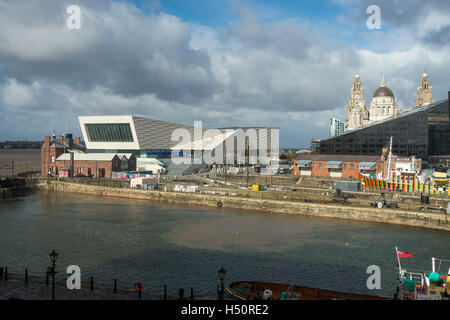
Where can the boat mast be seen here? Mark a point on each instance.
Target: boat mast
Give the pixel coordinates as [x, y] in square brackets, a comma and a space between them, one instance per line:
[433, 264]
[388, 175]
[398, 259]
[399, 275]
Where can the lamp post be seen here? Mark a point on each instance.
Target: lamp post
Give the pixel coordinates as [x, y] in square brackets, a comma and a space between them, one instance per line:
[53, 257]
[221, 273]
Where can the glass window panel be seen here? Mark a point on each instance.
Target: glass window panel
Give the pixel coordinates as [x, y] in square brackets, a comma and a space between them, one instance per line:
[110, 132]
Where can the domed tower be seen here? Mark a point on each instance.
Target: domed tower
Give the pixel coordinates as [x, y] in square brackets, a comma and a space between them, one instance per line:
[357, 113]
[383, 105]
[424, 92]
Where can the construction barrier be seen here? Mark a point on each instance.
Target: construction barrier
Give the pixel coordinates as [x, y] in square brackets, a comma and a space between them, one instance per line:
[405, 184]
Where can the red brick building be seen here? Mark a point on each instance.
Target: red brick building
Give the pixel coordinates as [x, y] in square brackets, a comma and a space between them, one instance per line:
[89, 164]
[338, 166]
[56, 153]
[55, 147]
[97, 165]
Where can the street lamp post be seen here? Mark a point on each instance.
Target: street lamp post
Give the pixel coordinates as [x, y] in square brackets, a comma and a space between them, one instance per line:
[221, 273]
[53, 257]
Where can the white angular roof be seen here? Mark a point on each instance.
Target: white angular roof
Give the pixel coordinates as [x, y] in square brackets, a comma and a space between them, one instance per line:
[88, 156]
[206, 143]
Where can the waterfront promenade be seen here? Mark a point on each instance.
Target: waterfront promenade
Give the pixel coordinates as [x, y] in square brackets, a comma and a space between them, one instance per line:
[15, 288]
[36, 289]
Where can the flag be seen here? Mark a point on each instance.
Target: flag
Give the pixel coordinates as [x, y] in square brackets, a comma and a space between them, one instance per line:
[402, 254]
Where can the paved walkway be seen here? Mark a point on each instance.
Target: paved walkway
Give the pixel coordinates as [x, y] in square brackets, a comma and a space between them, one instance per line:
[36, 289]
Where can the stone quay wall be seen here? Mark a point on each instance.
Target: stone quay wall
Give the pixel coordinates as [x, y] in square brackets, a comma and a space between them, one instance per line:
[399, 217]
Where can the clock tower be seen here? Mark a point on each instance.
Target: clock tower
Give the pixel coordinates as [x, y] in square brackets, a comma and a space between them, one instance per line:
[424, 92]
[356, 93]
[357, 113]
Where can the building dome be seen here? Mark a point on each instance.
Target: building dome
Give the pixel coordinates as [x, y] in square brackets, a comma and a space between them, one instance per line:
[383, 92]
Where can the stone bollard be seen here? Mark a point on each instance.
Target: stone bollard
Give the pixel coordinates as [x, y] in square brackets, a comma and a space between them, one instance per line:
[1, 272]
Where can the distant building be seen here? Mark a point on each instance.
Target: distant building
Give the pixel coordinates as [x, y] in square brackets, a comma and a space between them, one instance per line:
[424, 92]
[383, 105]
[338, 166]
[315, 145]
[336, 127]
[56, 155]
[404, 166]
[351, 166]
[146, 137]
[54, 147]
[357, 113]
[303, 151]
[97, 165]
[424, 133]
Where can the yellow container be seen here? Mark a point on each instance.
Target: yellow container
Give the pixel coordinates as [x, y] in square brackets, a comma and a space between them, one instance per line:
[256, 187]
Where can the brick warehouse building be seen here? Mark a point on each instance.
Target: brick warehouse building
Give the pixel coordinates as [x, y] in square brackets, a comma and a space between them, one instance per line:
[54, 147]
[97, 165]
[338, 166]
[56, 152]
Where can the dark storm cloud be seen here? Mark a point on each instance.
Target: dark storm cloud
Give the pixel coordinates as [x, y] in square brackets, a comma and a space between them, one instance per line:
[425, 20]
[401, 12]
[117, 47]
[438, 38]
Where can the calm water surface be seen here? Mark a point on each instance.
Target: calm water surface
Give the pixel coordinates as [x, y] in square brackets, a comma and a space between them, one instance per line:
[184, 246]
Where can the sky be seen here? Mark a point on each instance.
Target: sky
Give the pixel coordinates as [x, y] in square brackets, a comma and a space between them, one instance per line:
[226, 63]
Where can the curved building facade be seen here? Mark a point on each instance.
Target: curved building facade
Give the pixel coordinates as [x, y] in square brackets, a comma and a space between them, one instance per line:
[146, 137]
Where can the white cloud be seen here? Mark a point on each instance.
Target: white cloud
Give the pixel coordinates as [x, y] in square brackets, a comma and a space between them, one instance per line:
[17, 95]
[286, 73]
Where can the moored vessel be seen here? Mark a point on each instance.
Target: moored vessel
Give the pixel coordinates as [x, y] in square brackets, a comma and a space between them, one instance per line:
[423, 285]
[254, 290]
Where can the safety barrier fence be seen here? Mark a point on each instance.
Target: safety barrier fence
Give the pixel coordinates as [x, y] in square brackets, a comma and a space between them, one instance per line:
[408, 184]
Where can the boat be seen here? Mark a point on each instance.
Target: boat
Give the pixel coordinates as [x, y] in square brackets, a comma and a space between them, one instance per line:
[253, 290]
[413, 285]
[416, 285]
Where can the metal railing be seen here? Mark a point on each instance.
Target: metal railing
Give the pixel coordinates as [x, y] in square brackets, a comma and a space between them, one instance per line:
[89, 287]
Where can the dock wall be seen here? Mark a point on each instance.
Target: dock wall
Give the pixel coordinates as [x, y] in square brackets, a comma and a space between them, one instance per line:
[399, 217]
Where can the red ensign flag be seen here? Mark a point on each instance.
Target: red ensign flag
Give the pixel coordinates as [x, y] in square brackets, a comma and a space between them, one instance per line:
[404, 254]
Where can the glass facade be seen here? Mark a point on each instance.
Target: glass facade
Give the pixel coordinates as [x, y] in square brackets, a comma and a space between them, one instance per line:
[423, 132]
[109, 132]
